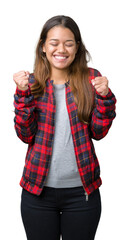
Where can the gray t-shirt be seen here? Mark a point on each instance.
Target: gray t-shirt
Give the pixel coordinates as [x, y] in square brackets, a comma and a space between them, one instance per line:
[63, 171]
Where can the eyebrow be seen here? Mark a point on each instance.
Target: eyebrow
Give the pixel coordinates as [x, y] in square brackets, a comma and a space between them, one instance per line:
[58, 40]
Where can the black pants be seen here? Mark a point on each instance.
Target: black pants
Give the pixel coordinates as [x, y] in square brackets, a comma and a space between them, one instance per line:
[61, 212]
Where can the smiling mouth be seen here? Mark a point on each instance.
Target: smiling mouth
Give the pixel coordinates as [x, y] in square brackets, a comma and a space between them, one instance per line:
[58, 57]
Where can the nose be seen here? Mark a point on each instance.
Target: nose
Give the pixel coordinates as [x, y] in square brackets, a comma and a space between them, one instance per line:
[61, 48]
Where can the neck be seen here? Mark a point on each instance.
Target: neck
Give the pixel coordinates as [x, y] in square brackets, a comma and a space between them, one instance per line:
[59, 77]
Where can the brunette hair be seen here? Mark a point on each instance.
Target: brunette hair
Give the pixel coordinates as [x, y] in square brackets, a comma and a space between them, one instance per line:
[78, 71]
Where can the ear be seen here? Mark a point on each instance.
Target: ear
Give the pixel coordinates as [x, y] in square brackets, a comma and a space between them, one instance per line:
[43, 48]
[77, 46]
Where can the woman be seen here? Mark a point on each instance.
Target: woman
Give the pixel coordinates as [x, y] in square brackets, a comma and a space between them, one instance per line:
[59, 109]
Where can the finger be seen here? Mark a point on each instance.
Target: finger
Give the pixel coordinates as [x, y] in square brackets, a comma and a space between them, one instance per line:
[96, 81]
[27, 73]
[22, 83]
[98, 85]
[19, 73]
[21, 77]
[99, 80]
[19, 80]
[102, 90]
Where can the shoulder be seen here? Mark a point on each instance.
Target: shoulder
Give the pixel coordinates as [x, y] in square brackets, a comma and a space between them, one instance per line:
[94, 73]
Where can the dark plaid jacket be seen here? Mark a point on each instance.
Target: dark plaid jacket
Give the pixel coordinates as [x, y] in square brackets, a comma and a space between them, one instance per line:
[35, 125]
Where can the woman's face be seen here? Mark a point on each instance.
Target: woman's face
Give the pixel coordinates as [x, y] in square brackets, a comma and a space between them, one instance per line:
[60, 47]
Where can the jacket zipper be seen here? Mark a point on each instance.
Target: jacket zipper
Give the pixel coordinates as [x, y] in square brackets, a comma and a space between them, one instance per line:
[85, 193]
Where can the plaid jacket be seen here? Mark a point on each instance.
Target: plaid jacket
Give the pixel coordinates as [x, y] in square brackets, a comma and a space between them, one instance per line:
[35, 125]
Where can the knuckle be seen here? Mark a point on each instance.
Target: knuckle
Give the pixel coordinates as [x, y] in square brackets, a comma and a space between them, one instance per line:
[105, 78]
[14, 76]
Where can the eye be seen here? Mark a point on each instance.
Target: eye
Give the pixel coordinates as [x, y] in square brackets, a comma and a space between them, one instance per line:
[53, 44]
[69, 45]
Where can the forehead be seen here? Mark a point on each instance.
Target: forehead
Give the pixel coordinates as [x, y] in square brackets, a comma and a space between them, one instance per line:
[60, 33]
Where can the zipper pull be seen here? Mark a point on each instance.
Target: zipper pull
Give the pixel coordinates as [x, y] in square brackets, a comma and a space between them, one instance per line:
[86, 196]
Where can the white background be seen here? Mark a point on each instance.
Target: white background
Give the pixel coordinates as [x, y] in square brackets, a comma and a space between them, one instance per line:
[105, 28]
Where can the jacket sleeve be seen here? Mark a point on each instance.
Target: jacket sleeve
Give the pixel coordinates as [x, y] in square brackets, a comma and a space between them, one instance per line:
[25, 117]
[103, 114]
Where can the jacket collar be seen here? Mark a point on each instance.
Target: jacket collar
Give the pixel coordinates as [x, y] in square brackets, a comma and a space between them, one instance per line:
[51, 82]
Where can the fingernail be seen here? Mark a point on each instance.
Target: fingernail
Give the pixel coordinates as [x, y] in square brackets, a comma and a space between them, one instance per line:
[93, 83]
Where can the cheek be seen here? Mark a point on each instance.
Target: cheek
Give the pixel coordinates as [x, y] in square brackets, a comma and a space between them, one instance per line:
[49, 54]
[49, 50]
[73, 52]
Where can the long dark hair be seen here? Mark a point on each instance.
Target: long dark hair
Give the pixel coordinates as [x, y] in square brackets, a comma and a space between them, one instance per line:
[78, 71]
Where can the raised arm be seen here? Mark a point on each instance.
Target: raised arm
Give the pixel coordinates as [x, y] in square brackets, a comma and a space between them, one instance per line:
[104, 111]
[24, 103]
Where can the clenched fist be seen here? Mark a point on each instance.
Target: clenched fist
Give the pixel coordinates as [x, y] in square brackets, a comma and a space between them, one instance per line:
[21, 79]
[101, 85]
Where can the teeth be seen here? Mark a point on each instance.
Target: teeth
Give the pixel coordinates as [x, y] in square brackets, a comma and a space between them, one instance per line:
[60, 57]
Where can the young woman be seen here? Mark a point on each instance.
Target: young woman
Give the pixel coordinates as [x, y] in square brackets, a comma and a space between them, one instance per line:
[59, 109]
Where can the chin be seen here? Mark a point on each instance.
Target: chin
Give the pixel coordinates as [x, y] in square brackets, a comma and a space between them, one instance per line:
[61, 67]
